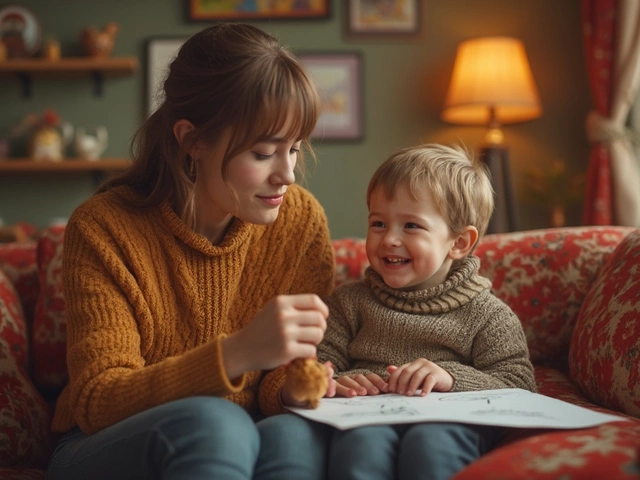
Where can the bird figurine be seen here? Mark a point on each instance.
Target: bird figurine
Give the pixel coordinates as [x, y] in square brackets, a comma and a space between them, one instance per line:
[306, 380]
[99, 43]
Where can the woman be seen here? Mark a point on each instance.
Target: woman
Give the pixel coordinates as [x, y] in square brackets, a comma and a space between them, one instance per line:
[192, 273]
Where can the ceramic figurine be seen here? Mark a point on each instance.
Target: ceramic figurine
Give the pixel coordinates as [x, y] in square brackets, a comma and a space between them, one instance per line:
[50, 138]
[98, 43]
[90, 147]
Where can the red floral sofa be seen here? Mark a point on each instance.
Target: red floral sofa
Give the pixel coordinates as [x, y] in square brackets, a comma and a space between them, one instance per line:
[576, 291]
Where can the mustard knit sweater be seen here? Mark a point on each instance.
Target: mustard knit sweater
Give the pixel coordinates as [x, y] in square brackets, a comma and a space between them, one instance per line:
[148, 301]
[459, 325]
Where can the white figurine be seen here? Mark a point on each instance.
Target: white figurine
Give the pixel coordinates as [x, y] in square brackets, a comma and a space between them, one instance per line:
[90, 147]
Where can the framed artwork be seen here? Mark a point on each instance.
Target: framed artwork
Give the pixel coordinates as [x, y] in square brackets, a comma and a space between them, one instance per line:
[338, 77]
[208, 10]
[373, 18]
[160, 53]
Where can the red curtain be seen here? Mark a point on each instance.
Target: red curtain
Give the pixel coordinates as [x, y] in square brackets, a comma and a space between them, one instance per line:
[599, 26]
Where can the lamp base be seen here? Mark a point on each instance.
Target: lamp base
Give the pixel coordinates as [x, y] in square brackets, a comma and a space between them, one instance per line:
[504, 218]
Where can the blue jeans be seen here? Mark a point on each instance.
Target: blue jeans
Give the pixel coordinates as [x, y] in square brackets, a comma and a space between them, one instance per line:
[433, 451]
[195, 438]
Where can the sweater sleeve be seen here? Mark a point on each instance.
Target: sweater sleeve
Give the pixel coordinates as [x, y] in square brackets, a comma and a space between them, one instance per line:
[342, 327]
[500, 356]
[109, 379]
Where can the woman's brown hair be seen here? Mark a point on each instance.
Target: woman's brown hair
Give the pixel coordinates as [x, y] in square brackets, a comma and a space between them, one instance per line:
[230, 76]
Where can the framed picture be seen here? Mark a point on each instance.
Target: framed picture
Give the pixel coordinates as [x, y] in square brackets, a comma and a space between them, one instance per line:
[338, 77]
[160, 53]
[373, 18]
[208, 10]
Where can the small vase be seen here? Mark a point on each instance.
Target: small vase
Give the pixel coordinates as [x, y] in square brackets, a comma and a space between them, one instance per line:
[558, 217]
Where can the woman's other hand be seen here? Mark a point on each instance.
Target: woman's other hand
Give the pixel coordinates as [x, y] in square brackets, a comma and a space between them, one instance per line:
[288, 327]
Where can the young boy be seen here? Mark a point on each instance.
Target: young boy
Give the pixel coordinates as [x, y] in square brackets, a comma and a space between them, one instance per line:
[422, 319]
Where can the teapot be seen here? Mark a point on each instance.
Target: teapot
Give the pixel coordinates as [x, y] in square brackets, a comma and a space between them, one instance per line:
[48, 142]
[91, 146]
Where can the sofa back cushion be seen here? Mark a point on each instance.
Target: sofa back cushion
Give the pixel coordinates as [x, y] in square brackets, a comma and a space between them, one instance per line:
[24, 415]
[18, 261]
[49, 336]
[604, 357]
[544, 276]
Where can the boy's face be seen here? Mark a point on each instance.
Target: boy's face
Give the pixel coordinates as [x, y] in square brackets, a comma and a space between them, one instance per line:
[408, 242]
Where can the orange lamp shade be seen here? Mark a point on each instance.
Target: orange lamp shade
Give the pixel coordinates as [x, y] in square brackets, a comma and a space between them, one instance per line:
[491, 76]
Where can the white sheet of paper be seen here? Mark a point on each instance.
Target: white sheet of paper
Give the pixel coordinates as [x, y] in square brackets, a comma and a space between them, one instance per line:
[511, 407]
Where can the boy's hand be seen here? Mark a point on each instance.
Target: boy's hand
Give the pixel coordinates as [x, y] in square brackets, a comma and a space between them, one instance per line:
[352, 385]
[419, 374]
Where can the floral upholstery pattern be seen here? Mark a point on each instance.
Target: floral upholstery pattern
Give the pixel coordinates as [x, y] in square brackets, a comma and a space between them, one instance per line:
[49, 325]
[544, 277]
[18, 261]
[609, 451]
[13, 329]
[604, 357]
[351, 259]
[25, 417]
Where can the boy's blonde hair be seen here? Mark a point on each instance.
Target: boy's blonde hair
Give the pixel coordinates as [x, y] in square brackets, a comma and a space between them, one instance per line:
[458, 184]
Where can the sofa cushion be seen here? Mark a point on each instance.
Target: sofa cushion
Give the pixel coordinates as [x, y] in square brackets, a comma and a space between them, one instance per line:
[18, 260]
[24, 416]
[48, 341]
[13, 329]
[607, 451]
[544, 277]
[351, 259]
[604, 357]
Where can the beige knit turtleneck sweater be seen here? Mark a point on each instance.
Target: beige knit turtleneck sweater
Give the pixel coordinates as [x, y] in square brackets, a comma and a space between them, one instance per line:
[148, 301]
[458, 325]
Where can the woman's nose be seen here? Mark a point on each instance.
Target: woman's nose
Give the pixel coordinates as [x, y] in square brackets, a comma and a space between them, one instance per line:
[285, 172]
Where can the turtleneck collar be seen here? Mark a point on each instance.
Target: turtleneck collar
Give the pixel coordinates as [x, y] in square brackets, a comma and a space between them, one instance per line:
[237, 234]
[462, 285]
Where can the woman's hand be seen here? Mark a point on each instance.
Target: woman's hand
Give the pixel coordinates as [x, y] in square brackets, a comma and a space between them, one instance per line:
[359, 384]
[288, 327]
[419, 374]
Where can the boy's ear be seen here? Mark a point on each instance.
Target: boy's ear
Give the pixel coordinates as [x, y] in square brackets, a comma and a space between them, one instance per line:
[181, 129]
[464, 243]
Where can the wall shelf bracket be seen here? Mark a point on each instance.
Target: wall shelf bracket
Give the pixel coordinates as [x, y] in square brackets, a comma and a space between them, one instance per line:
[27, 84]
[98, 82]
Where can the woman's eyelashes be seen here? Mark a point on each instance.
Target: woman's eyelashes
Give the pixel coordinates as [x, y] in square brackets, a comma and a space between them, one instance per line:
[267, 156]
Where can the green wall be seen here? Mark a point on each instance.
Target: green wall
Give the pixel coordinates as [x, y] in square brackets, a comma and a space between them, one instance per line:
[404, 85]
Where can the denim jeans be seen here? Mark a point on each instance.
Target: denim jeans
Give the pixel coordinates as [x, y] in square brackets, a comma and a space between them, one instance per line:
[195, 438]
[433, 451]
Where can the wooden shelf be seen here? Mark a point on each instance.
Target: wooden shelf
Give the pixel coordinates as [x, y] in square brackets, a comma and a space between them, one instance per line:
[25, 165]
[98, 68]
[110, 65]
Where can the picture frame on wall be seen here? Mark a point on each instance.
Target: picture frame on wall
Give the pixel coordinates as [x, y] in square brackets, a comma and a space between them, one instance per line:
[338, 77]
[383, 18]
[160, 53]
[208, 10]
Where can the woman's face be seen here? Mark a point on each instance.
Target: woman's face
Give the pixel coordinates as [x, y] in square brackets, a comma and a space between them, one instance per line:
[256, 183]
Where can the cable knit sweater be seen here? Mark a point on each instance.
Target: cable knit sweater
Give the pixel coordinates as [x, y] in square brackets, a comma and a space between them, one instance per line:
[148, 301]
[458, 325]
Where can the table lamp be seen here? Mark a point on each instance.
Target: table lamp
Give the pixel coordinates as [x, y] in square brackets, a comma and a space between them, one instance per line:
[492, 85]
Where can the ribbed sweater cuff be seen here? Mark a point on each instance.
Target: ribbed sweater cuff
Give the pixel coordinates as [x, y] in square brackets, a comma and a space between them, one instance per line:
[199, 370]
